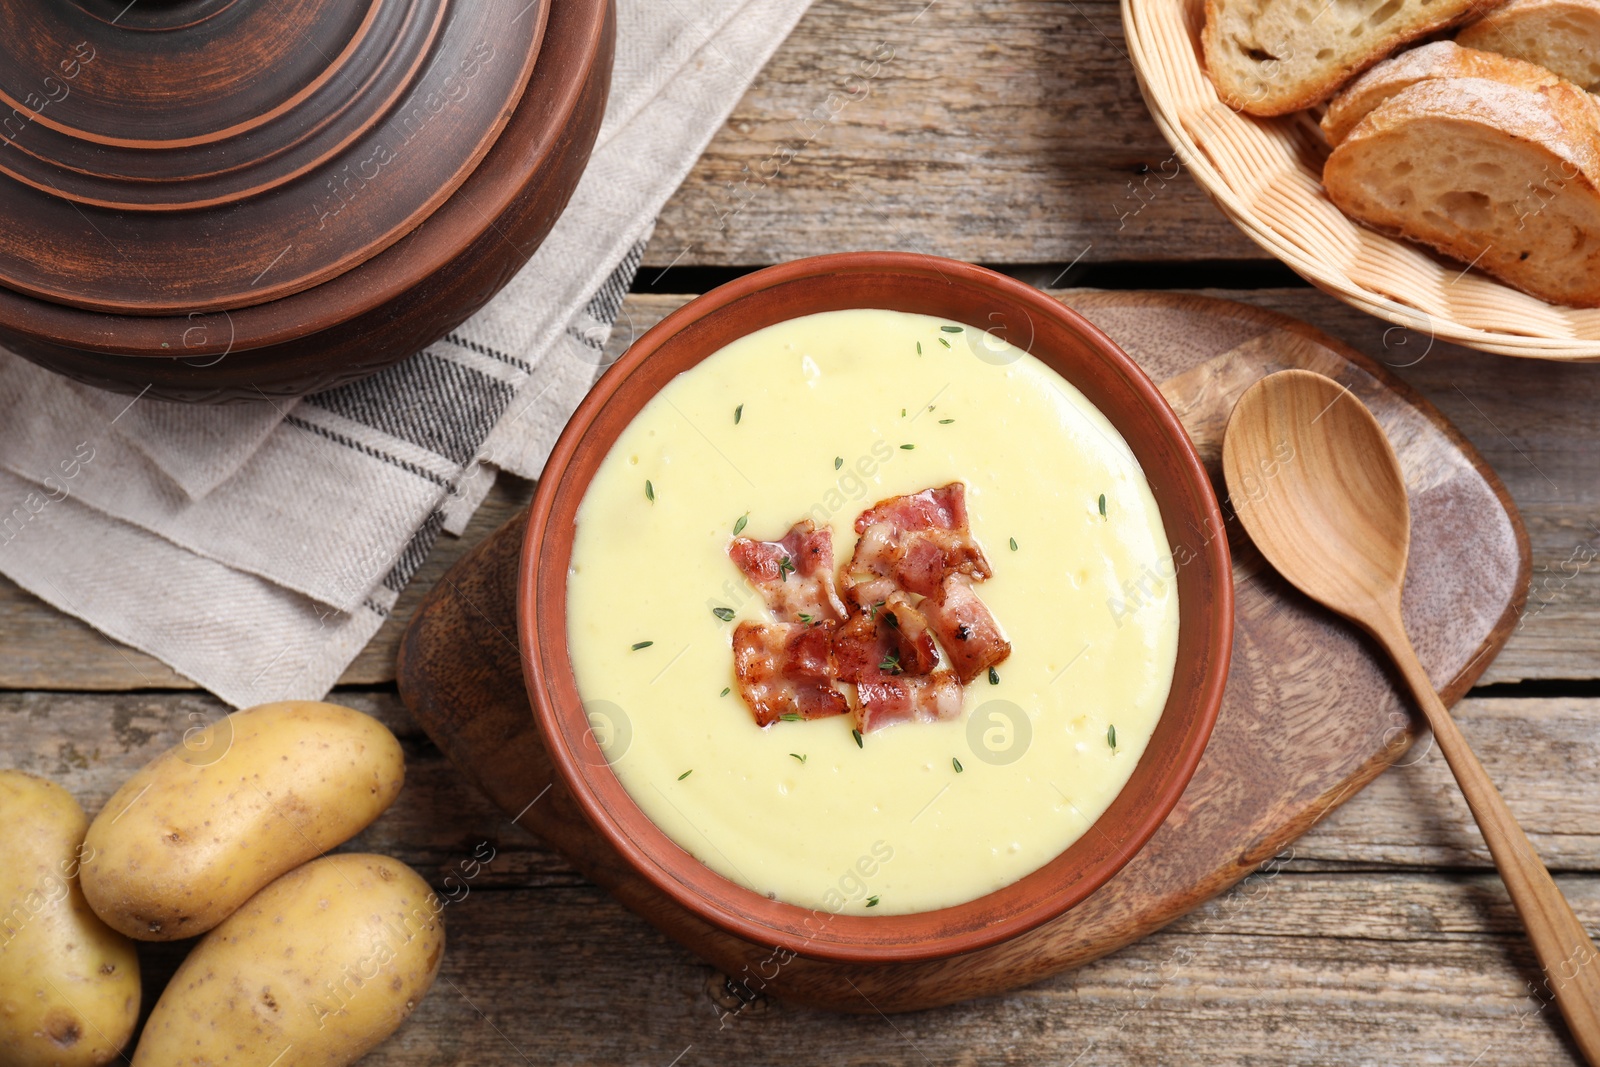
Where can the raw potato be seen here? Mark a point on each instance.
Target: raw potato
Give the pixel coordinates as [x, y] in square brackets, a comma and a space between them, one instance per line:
[69, 986]
[199, 829]
[314, 971]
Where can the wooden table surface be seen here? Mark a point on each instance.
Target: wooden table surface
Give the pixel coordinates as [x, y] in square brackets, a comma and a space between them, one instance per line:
[1012, 133]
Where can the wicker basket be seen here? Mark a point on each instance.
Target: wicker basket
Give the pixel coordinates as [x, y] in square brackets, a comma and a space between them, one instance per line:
[1266, 174]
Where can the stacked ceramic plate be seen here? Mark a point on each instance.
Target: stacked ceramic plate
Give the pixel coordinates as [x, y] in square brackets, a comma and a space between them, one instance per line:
[222, 200]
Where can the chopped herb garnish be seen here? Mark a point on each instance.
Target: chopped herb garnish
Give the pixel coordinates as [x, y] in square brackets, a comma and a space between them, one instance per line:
[872, 901]
[857, 735]
[738, 413]
[725, 690]
[890, 663]
[1111, 736]
[1102, 505]
[725, 614]
[807, 618]
[785, 567]
[789, 716]
[902, 413]
[1013, 544]
[951, 329]
[946, 422]
[944, 342]
[956, 764]
[642, 644]
[649, 491]
[919, 348]
[908, 448]
[738, 527]
[838, 461]
[685, 774]
[994, 676]
[798, 756]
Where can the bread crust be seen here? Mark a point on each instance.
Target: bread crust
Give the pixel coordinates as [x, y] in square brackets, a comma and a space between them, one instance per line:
[1544, 143]
[1230, 40]
[1441, 59]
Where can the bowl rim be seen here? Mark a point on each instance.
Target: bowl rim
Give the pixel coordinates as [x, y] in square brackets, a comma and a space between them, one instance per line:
[888, 938]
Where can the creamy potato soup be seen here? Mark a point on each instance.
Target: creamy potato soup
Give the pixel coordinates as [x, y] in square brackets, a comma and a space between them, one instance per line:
[820, 419]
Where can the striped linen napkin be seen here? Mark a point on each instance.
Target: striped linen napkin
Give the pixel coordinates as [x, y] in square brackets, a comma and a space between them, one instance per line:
[256, 549]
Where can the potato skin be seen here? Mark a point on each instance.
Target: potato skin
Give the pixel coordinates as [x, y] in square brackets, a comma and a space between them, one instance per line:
[198, 830]
[69, 985]
[325, 963]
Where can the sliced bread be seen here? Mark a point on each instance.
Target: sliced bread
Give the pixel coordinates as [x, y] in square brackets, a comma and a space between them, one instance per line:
[1442, 59]
[1271, 57]
[1563, 35]
[1499, 176]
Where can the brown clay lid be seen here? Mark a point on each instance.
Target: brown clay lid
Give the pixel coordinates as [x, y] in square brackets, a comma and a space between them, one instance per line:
[173, 156]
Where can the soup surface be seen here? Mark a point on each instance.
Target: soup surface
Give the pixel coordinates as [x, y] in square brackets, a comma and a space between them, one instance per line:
[821, 417]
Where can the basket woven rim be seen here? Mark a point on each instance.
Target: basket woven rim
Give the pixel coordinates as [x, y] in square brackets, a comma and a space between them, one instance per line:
[1160, 97]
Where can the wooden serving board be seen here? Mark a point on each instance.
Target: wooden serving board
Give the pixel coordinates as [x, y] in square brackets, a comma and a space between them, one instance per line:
[1311, 713]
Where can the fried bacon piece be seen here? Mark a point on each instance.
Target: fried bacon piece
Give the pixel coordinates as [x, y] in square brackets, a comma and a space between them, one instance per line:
[787, 669]
[893, 639]
[909, 589]
[859, 647]
[922, 544]
[917, 541]
[965, 628]
[794, 574]
[869, 594]
[871, 652]
[932, 697]
[915, 649]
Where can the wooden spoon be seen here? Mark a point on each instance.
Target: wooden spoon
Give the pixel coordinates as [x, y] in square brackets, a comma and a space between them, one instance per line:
[1318, 488]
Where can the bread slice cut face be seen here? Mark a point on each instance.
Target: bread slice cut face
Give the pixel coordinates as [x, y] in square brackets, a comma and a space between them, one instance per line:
[1271, 57]
[1563, 35]
[1502, 177]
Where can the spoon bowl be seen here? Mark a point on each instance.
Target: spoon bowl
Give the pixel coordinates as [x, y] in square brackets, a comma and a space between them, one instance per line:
[1318, 469]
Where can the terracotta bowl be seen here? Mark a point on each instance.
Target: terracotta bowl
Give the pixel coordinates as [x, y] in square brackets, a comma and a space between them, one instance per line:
[1072, 347]
[426, 247]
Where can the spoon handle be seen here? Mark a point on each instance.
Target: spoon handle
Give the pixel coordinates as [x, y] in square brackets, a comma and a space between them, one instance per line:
[1565, 950]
